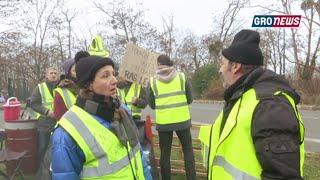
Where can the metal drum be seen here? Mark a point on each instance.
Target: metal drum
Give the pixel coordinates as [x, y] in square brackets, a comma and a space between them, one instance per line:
[22, 136]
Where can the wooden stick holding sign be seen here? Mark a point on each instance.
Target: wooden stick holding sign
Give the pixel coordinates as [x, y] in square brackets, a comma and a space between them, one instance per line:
[138, 65]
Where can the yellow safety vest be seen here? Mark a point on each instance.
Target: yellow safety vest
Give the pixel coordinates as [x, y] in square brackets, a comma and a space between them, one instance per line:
[170, 100]
[204, 134]
[46, 97]
[68, 97]
[46, 100]
[134, 91]
[105, 157]
[97, 47]
[232, 154]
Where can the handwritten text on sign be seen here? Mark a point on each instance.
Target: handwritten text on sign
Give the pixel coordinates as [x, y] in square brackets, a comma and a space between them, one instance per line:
[138, 65]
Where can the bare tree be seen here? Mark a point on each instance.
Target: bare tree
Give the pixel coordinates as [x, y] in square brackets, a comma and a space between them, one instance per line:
[167, 37]
[310, 8]
[128, 26]
[304, 48]
[192, 53]
[8, 8]
[69, 16]
[128, 23]
[225, 26]
[16, 66]
[273, 45]
[9, 42]
[58, 34]
[37, 19]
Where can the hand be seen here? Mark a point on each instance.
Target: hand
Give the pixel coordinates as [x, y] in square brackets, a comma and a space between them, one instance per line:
[120, 114]
[51, 114]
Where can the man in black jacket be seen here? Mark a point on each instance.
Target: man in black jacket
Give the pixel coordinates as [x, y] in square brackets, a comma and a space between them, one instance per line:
[259, 134]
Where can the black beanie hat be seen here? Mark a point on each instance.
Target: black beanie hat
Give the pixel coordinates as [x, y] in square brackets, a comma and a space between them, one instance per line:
[87, 67]
[164, 60]
[81, 54]
[245, 48]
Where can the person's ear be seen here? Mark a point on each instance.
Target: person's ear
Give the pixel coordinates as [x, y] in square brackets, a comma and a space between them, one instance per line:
[236, 67]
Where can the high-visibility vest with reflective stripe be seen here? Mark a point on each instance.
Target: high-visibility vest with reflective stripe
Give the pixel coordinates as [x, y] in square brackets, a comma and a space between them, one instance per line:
[170, 100]
[105, 157]
[46, 97]
[134, 91]
[204, 136]
[68, 97]
[232, 154]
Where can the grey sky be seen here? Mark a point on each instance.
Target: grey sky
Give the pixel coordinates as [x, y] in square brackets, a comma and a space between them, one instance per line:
[196, 16]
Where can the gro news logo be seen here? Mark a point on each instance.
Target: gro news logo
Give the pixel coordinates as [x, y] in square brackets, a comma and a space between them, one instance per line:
[276, 21]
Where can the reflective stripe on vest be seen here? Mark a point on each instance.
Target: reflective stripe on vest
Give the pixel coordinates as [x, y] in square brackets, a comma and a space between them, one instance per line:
[232, 154]
[170, 100]
[233, 171]
[92, 141]
[171, 105]
[68, 98]
[46, 97]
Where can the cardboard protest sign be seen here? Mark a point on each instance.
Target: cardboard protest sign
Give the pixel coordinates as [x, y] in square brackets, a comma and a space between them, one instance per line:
[138, 65]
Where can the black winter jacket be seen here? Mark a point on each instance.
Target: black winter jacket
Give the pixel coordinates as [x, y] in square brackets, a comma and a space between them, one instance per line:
[275, 128]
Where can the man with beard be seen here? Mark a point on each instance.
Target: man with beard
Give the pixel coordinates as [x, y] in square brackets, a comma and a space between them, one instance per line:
[259, 133]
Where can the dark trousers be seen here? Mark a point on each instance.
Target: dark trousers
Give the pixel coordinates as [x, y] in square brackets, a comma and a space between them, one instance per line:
[165, 142]
[44, 139]
[44, 172]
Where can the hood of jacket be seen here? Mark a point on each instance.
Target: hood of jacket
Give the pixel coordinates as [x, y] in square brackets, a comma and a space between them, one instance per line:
[166, 74]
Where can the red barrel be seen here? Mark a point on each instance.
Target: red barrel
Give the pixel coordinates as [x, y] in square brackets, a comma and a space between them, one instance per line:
[11, 110]
[23, 136]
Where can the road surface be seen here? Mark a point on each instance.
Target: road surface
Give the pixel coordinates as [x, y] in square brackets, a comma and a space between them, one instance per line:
[206, 113]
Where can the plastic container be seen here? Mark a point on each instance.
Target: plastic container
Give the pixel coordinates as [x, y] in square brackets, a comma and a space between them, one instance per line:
[11, 110]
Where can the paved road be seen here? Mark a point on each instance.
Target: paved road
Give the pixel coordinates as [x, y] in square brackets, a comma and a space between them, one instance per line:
[206, 113]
